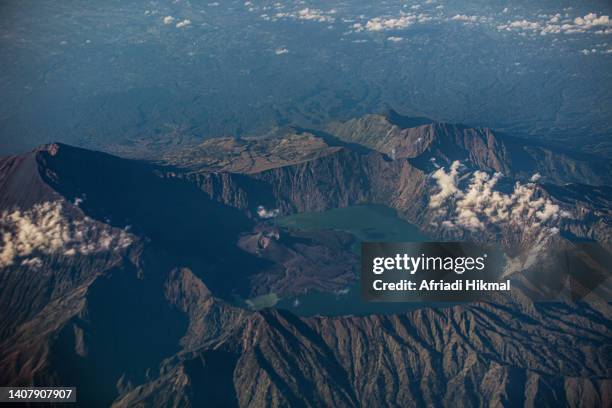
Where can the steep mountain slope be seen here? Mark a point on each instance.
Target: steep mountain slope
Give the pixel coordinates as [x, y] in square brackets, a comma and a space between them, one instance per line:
[95, 227]
[481, 148]
[455, 201]
[85, 254]
[48, 246]
[474, 355]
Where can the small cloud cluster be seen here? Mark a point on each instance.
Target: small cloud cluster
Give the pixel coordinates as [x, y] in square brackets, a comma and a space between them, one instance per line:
[250, 6]
[314, 14]
[281, 51]
[262, 212]
[447, 182]
[597, 49]
[535, 177]
[167, 20]
[592, 20]
[308, 14]
[469, 20]
[184, 23]
[394, 39]
[465, 18]
[46, 230]
[479, 205]
[34, 263]
[558, 24]
[404, 20]
[521, 25]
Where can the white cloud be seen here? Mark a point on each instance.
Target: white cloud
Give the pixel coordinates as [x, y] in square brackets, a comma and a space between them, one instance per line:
[553, 24]
[46, 230]
[448, 224]
[281, 51]
[262, 212]
[249, 6]
[168, 20]
[309, 14]
[524, 25]
[380, 24]
[535, 177]
[479, 205]
[549, 211]
[387, 23]
[395, 39]
[447, 182]
[465, 18]
[32, 262]
[551, 29]
[598, 49]
[183, 23]
[424, 18]
[592, 19]
[314, 14]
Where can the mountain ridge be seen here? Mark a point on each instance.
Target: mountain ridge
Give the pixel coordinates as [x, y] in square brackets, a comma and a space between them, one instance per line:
[483, 148]
[182, 242]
